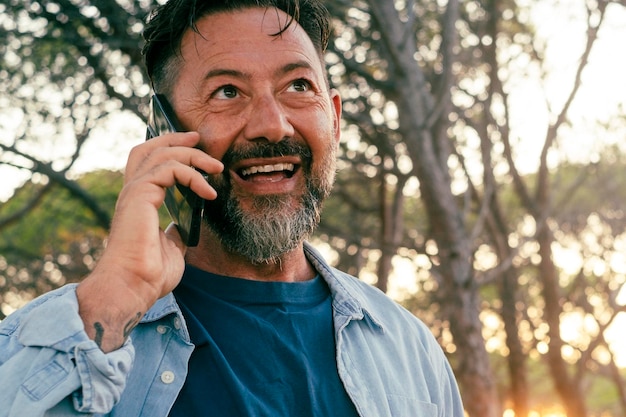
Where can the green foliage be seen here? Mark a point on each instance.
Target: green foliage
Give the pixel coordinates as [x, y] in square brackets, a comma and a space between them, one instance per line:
[59, 217]
[56, 241]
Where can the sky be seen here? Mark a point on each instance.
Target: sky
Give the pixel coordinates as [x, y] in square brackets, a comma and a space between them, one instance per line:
[603, 87]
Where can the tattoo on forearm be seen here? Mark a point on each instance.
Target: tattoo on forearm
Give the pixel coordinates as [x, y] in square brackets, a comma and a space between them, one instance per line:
[99, 329]
[131, 324]
[99, 333]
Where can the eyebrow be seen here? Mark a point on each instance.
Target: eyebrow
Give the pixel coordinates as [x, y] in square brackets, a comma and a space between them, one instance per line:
[226, 72]
[293, 66]
[286, 69]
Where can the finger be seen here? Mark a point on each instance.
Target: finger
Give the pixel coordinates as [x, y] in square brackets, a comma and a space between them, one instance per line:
[196, 181]
[185, 156]
[144, 151]
[169, 157]
[173, 172]
[188, 139]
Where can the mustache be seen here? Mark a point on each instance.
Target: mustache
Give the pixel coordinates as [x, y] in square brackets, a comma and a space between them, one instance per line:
[286, 147]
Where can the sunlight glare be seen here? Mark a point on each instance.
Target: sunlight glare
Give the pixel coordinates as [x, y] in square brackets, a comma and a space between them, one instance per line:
[553, 411]
[614, 336]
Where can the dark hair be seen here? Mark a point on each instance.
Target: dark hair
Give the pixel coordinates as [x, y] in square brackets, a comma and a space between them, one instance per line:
[168, 23]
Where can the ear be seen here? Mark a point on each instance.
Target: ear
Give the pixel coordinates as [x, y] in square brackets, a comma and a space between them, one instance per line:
[336, 103]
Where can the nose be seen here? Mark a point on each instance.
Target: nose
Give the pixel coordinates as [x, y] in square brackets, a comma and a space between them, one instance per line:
[268, 121]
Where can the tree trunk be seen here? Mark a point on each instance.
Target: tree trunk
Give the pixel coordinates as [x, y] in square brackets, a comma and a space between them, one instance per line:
[392, 224]
[516, 360]
[427, 146]
[567, 388]
[473, 370]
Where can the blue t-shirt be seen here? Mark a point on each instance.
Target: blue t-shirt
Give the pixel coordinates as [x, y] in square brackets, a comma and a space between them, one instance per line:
[263, 349]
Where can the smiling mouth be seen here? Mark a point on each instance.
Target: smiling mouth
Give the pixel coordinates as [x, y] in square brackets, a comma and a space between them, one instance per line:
[282, 170]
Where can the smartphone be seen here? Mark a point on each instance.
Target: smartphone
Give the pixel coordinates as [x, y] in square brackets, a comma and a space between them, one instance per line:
[183, 205]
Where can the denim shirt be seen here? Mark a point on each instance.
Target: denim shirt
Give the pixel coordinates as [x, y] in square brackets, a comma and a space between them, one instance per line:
[388, 361]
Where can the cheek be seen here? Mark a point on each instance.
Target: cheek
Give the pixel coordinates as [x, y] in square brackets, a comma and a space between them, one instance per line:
[323, 138]
[217, 138]
[325, 160]
[318, 129]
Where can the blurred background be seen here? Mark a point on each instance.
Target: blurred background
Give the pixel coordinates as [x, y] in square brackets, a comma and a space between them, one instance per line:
[482, 178]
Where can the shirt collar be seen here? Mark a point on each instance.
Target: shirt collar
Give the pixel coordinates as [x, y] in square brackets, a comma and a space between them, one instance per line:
[165, 307]
[349, 299]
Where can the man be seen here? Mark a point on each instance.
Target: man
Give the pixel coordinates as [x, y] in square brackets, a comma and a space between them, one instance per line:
[252, 321]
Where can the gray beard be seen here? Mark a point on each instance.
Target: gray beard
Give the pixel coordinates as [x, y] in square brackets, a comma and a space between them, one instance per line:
[275, 224]
[269, 230]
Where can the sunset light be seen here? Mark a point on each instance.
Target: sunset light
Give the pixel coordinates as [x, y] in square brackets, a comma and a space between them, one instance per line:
[547, 412]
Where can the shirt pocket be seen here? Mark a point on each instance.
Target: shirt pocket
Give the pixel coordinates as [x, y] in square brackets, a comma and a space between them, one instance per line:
[410, 407]
[42, 381]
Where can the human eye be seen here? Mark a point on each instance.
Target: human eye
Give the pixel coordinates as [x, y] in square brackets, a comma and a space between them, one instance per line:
[225, 92]
[300, 85]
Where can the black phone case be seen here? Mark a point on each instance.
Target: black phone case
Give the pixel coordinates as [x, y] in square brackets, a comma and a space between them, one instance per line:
[183, 205]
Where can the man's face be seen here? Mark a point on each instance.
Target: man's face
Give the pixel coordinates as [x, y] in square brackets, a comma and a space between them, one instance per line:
[261, 104]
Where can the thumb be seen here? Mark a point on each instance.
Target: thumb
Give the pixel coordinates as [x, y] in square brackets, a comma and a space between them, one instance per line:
[172, 234]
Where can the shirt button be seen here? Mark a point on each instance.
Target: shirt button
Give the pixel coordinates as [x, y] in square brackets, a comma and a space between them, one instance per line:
[177, 324]
[167, 377]
[161, 329]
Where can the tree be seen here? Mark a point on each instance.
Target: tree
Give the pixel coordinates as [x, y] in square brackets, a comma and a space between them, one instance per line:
[377, 50]
[67, 66]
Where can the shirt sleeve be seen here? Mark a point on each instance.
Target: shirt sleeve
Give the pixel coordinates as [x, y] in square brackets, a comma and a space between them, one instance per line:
[452, 405]
[47, 360]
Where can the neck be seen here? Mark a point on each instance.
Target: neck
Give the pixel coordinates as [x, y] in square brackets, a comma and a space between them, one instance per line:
[212, 257]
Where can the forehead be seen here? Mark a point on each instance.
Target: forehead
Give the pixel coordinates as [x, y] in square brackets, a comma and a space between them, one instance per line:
[252, 36]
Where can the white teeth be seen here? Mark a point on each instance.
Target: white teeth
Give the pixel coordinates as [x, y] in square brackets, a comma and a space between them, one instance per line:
[267, 168]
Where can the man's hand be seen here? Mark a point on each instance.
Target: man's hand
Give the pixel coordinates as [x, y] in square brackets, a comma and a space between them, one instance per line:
[141, 262]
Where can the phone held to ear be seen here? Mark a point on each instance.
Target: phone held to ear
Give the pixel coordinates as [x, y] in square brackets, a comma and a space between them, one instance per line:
[183, 205]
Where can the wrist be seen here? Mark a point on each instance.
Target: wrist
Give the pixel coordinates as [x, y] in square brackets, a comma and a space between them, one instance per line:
[111, 307]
